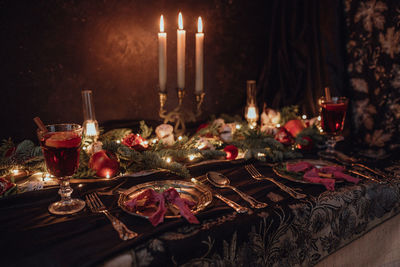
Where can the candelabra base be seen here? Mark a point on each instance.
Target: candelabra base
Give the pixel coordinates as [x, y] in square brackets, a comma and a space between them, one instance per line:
[179, 116]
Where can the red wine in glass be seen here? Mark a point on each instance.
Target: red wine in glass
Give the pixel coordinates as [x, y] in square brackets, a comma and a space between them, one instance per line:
[61, 152]
[61, 146]
[332, 117]
[333, 113]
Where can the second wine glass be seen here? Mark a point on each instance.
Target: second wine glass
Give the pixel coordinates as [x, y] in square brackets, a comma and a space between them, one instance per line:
[333, 113]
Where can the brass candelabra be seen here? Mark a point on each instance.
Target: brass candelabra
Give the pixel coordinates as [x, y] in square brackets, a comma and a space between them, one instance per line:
[178, 115]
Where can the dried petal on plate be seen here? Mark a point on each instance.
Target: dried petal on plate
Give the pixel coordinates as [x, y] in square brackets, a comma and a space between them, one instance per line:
[299, 166]
[150, 197]
[172, 196]
[313, 176]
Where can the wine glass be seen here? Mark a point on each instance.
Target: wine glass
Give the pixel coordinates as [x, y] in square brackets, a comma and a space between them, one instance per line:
[61, 146]
[333, 113]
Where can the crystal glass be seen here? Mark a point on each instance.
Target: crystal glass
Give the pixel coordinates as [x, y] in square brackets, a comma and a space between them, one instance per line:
[61, 146]
[333, 114]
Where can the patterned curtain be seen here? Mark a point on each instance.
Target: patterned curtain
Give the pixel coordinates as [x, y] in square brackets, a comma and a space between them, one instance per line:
[373, 50]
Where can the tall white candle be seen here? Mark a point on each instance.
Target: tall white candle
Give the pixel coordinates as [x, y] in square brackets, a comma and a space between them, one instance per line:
[181, 40]
[162, 57]
[199, 84]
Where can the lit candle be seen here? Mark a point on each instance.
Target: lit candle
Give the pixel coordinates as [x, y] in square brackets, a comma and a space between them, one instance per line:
[199, 85]
[162, 56]
[181, 40]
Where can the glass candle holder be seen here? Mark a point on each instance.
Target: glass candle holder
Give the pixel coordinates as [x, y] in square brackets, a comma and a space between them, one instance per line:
[251, 110]
[90, 125]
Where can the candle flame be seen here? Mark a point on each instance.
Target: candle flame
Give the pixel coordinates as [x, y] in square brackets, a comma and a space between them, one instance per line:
[180, 21]
[91, 129]
[162, 23]
[199, 25]
[251, 113]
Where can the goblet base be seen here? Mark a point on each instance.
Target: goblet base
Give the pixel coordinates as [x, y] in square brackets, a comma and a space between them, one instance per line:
[66, 207]
[327, 154]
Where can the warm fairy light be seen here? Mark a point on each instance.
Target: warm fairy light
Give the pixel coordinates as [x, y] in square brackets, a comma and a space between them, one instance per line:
[154, 140]
[252, 126]
[162, 23]
[320, 130]
[145, 142]
[84, 148]
[80, 185]
[261, 154]
[168, 159]
[191, 157]
[238, 126]
[319, 118]
[199, 25]
[91, 129]
[180, 21]
[108, 175]
[47, 177]
[304, 117]
[180, 138]
[15, 171]
[137, 134]
[118, 141]
[193, 180]
[201, 146]
[278, 125]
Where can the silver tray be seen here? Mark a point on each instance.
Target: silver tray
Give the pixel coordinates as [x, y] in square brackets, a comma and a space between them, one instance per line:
[197, 193]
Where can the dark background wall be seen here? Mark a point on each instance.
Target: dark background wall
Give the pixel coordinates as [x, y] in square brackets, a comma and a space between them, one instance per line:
[51, 50]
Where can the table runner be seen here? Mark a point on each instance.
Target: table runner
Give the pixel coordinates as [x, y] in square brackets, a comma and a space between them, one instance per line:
[288, 232]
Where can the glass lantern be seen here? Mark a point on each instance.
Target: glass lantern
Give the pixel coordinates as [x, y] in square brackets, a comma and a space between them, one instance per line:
[90, 125]
[251, 110]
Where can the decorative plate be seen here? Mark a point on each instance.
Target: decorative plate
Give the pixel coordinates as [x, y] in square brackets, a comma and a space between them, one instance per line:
[280, 170]
[197, 193]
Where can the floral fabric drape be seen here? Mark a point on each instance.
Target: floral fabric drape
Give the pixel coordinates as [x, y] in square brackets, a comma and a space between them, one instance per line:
[373, 51]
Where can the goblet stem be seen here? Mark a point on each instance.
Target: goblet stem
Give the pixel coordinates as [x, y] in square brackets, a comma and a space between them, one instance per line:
[330, 145]
[65, 190]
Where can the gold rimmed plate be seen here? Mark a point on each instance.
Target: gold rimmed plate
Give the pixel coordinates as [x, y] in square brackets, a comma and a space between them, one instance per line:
[197, 193]
[280, 170]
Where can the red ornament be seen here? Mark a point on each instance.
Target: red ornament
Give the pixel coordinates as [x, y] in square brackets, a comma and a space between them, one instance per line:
[105, 163]
[294, 127]
[284, 136]
[231, 152]
[202, 126]
[308, 146]
[135, 141]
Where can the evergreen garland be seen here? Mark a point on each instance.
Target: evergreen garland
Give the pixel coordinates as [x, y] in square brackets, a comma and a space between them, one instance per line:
[251, 142]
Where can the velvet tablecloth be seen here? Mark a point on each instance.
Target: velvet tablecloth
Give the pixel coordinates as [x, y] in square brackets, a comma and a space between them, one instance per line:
[288, 232]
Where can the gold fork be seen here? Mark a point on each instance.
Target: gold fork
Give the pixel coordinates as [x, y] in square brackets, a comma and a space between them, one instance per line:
[96, 206]
[255, 174]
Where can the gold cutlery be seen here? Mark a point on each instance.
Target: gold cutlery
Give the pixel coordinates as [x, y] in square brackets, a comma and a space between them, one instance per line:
[255, 174]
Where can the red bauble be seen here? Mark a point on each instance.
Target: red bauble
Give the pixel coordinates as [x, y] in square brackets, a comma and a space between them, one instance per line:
[284, 136]
[308, 146]
[105, 163]
[135, 141]
[294, 127]
[202, 126]
[231, 152]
